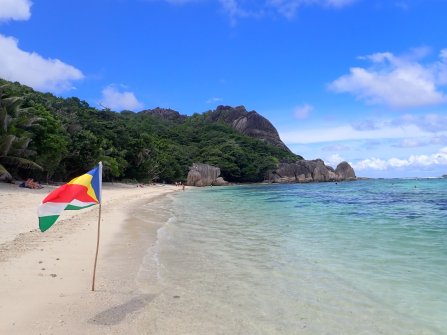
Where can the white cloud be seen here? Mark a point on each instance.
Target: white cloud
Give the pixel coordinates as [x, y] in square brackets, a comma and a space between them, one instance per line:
[114, 99]
[348, 133]
[432, 123]
[411, 143]
[442, 140]
[335, 147]
[333, 160]
[370, 163]
[31, 69]
[365, 125]
[235, 10]
[15, 10]
[396, 81]
[213, 100]
[372, 144]
[418, 161]
[412, 130]
[302, 112]
[440, 68]
[287, 8]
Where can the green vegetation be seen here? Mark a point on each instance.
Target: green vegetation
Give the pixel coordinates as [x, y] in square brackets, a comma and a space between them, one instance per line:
[54, 139]
[16, 126]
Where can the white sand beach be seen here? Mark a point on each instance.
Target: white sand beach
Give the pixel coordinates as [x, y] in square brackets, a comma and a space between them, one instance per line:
[45, 278]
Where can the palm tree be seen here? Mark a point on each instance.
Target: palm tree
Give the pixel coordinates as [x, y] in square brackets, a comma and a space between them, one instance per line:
[14, 136]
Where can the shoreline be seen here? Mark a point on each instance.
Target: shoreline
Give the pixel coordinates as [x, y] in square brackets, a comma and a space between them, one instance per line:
[46, 278]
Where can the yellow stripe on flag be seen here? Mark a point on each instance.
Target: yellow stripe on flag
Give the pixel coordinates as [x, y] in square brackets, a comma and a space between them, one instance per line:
[85, 180]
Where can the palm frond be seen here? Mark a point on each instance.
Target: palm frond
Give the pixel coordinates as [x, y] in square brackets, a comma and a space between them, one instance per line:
[23, 152]
[29, 122]
[3, 118]
[20, 162]
[28, 110]
[12, 105]
[22, 142]
[6, 142]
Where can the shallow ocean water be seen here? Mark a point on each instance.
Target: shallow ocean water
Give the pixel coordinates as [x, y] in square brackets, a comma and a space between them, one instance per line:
[364, 257]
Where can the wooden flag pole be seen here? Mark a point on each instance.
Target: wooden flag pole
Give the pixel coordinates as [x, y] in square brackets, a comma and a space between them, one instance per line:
[97, 248]
[99, 225]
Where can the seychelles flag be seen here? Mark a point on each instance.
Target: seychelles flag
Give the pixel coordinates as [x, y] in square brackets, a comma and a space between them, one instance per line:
[79, 193]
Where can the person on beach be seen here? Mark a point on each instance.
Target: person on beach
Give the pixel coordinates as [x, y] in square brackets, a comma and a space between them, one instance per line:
[30, 183]
[35, 184]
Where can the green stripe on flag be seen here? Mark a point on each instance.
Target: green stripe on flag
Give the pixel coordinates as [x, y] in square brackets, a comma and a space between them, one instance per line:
[46, 222]
[75, 208]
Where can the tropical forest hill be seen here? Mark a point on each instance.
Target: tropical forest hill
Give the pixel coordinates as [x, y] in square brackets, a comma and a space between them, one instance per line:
[54, 139]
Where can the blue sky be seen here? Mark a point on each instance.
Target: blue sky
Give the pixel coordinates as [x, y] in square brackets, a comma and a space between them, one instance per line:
[357, 80]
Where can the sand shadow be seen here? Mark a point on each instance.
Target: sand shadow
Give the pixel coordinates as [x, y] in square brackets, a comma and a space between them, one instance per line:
[116, 314]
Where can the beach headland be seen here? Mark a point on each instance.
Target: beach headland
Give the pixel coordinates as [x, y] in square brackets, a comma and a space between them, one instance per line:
[45, 278]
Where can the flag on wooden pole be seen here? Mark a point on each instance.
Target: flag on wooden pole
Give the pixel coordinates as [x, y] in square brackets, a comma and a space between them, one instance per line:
[81, 192]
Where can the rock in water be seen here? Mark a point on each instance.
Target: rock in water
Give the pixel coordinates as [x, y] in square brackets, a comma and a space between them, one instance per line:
[306, 171]
[204, 175]
[220, 182]
[345, 171]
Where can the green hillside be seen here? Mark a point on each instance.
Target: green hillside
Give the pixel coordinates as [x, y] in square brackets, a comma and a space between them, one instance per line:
[54, 139]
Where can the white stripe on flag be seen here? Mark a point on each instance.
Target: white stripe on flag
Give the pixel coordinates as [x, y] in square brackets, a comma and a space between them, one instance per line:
[56, 208]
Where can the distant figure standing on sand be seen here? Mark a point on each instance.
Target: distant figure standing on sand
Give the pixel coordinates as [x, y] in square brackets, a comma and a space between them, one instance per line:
[183, 186]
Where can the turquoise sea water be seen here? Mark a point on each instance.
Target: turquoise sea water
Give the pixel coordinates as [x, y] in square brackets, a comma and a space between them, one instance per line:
[364, 257]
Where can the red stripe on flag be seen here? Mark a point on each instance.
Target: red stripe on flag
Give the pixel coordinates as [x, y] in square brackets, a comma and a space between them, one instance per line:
[69, 192]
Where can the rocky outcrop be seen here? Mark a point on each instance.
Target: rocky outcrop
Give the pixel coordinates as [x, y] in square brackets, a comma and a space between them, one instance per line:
[345, 171]
[306, 171]
[164, 113]
[248, 123]
[303, 171]
[204, 175]
[220, 182]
